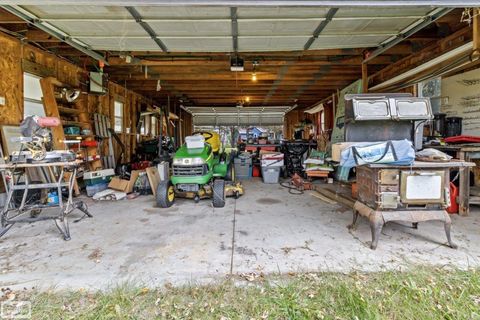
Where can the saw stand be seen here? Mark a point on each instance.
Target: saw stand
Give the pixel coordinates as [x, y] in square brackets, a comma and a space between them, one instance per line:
[19, 177]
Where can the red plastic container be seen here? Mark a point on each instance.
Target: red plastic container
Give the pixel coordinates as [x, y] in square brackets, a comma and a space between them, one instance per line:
[453, 199]
[256, 171]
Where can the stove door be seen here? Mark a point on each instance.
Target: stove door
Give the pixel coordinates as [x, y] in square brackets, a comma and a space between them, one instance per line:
[422, 187]
[368, 109]
[413, 109]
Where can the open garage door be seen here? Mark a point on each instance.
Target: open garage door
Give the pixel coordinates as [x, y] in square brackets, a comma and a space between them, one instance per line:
[225, 116]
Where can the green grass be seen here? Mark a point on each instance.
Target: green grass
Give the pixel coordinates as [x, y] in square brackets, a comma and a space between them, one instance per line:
[425, 293]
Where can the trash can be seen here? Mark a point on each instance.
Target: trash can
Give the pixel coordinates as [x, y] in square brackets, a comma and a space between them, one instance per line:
[271, 165]
[271, 174]
[243, 166]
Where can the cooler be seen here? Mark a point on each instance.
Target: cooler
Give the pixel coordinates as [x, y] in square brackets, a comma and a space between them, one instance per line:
[97, 177]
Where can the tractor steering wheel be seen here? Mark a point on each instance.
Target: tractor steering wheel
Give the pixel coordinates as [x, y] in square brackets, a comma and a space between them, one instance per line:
[206, 134]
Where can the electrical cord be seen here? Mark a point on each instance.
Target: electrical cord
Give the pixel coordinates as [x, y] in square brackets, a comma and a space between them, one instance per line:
[291, 188]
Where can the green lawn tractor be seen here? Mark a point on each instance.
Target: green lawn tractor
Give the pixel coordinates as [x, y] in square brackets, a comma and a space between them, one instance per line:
[200, 169]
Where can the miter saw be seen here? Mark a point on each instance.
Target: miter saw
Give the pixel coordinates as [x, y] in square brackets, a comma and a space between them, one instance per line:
[36, 142]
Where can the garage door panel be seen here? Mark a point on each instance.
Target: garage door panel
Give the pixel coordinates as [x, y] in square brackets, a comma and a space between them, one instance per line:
[271, 43]
[69, 11]
[367, 26]
[325, 42]
[120, 44]
[384, 12]
[99, 28]
[191, 28]
[222, 44]
[285, 12]
[273, 28]
[233, 120]
[150, 12]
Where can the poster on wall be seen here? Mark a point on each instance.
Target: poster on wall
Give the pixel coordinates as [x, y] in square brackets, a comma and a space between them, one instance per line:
[338, 127]
[461, 98]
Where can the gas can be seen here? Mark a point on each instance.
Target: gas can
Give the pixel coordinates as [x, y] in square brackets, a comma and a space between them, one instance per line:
[453, 208]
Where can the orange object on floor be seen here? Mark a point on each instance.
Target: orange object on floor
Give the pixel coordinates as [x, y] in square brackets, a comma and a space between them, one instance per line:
[256, 171]
[453, 199]
[354, 190]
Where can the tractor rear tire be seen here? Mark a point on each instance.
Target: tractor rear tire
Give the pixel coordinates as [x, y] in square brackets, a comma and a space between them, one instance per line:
[165, 194]
[218, 193]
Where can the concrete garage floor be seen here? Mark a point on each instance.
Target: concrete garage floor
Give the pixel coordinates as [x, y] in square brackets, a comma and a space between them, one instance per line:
[269, 230]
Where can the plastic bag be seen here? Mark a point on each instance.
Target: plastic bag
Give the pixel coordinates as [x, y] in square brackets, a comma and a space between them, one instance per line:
[395, 152]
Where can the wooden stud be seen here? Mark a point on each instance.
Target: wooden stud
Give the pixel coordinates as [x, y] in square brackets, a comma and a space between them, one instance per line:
[476, 33]
[364, 78]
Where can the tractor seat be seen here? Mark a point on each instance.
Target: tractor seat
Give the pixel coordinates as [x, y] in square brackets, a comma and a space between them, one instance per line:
[213, 141]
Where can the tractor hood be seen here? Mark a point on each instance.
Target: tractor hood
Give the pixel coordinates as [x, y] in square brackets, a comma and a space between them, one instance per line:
[184, 152]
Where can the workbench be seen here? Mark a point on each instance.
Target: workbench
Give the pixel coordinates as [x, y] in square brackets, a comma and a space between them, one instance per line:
[253, 147]
[464, 152]
[413, 194]
[56, 175]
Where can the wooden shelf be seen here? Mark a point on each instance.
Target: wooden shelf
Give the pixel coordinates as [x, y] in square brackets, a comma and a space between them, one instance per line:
[74, 123]
[69, 110]
[83, 136]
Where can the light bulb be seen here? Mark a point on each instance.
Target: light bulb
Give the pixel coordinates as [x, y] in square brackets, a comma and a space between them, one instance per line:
[247, 99]
[254, 76]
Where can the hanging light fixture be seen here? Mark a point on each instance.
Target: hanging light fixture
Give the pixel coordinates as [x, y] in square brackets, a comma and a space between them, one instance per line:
[247, 99]
[254, 74]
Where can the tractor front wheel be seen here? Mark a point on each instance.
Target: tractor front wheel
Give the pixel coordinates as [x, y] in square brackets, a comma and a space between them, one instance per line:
[218, 193]
[165, 194]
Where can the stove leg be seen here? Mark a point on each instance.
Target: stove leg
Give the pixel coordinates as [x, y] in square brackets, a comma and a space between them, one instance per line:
[376, 226]
[354, 222]
[448, 224]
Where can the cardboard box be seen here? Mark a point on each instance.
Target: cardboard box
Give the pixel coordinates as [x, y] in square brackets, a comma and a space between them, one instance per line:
[337, 149]
[124, 185]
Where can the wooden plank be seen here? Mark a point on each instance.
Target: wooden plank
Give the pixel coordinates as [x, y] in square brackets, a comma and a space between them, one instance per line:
[153, 178]
[464, 187]
[336, 196]
[37, 69]
[476, 33]
[51, 110]
[364, 78]
[318, 195]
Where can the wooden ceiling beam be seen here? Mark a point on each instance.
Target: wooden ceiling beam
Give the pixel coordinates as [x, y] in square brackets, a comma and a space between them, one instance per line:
[436, 49]
[225, 62]
[234, 78]
[36, 35]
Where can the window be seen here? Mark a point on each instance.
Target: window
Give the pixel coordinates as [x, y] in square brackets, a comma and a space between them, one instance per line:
[32, 96]
[431, 89]
[118, 115]
[154, 126]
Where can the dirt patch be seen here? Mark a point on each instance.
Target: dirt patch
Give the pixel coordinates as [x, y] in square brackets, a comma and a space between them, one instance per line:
[268, 201]
[95, 255]
[245, 251]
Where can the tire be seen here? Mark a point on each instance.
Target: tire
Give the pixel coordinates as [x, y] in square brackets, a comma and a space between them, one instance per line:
[165, 194]
[218, 193]
[230, 176]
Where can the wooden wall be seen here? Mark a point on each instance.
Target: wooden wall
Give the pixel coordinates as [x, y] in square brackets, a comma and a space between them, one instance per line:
[16, 58]
[11, 81]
